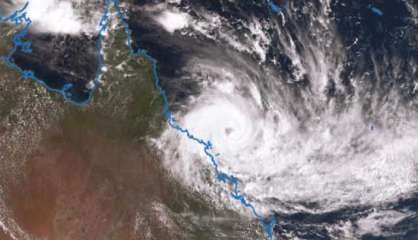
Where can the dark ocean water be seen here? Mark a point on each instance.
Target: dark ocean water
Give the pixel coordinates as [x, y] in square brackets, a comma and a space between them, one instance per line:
[391, 34]
[62, 60]
[379, 39]
[371, 33]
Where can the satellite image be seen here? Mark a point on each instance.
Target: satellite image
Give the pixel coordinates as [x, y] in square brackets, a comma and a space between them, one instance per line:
[208, 120]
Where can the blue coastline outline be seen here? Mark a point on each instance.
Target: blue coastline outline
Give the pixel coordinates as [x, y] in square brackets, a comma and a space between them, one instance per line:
[375, 10]
[276, 7]
[20, 17]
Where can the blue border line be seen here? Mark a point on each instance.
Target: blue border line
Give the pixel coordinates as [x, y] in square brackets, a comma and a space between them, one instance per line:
[375, 10]
[277, 8]
[20, 17]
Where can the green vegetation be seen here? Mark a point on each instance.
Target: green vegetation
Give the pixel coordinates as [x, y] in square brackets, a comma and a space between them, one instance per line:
[127, 107]
[125, 110]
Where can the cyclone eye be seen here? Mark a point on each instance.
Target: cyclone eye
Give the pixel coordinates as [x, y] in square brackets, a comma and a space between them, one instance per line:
[228, 131]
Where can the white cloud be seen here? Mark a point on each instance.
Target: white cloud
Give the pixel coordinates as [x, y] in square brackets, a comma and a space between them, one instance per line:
[55, 16]
[172, 21]
[333, 160]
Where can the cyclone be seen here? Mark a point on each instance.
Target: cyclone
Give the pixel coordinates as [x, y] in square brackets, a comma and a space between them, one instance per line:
[300, 116]
[331, 159]
[311, 109]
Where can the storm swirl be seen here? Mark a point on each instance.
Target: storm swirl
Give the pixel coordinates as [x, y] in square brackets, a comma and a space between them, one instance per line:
[313, 109]
[311, 106]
